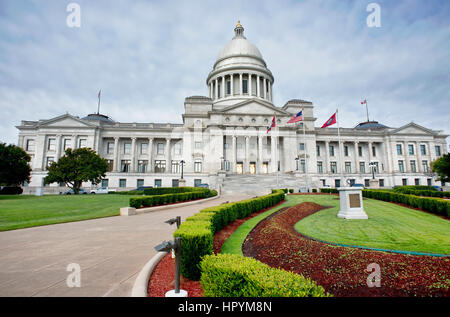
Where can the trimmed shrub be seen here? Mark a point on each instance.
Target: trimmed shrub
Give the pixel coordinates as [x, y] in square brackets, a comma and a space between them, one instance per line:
[329, 190]
[210, 220]
[314, 190]
[291, 190]
[163, 199]
[230, 275]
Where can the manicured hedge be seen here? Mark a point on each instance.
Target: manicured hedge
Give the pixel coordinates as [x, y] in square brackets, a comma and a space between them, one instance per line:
[171, 190]
[230, 275]
[197, 232]
[433, 205]
[163, 199]
[427, 191]
[329, 190]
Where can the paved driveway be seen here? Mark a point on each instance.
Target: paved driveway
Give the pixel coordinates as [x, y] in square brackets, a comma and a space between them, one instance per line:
[110, 252]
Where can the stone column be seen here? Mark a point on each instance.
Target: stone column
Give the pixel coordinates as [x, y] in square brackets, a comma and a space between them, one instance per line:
[168, 162]
[74, 142]
[273, 154]
[419, 158]
[258, 88]
[231, 85]
[223, 86]
[116, 155]
[216, 89]
[270, 91]
[133, 155]
[260, 155]
[234, 154]
[240, 84]
[250, 90]
[406, 153]
[265, 88]
[356, 144]
[327, 157]
[58, 147]
[247, 155]
[150, 155]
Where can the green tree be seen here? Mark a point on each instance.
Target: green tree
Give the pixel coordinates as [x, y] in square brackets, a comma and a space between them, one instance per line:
[441, 167]
[77, 166]
[14, 167]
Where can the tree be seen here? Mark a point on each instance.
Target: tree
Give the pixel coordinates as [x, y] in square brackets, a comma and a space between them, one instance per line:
[77, 166]
[441, 167]
[14, 167]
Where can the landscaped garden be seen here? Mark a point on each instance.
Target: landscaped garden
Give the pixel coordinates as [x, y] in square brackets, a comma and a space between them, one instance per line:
[304, 235]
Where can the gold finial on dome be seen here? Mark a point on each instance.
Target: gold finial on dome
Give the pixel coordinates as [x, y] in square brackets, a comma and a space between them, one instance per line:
[238, 25]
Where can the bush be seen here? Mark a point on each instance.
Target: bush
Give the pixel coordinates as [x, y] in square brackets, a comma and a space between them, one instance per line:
[291, 190]
[11, 190]
[433, 205]
[229, 275]
[164, 199]
[314, 190]
[210, 220]
[329, 190]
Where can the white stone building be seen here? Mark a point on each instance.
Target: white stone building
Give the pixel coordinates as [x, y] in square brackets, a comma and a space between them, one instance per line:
[224, 140]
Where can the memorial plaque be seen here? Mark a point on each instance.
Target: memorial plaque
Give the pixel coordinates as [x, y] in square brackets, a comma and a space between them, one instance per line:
[354, 200]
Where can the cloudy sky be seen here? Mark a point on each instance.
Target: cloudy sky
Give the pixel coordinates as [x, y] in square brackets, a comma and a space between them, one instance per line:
[147, 56]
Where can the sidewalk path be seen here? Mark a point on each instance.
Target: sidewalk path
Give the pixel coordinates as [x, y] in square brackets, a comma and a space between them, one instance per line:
[110, 251]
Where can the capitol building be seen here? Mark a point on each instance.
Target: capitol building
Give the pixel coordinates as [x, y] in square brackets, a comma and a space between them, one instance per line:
[224, 140]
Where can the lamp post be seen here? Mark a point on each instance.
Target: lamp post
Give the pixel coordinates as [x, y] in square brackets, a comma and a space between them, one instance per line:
[296, 163]
[373, 166]
[182, 162]
[222, 167]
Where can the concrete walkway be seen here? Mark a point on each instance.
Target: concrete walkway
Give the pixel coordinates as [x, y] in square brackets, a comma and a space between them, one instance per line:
[110, 251]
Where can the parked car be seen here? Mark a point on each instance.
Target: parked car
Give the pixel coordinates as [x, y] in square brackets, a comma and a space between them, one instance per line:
[71, 192]
[203, 185]
[143, 187]
[438, 188]
[358, 185]
[102, 190]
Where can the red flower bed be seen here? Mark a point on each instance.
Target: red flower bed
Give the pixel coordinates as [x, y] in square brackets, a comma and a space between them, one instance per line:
[343, 271]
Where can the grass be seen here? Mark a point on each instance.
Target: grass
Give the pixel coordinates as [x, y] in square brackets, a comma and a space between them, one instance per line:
[389, 227]
[23, 211]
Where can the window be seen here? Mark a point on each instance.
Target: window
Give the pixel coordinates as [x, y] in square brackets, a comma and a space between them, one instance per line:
[417, 181]
[177, 148]
[82, 143]
[228, 87]
[437, 149]
[197, 167]
[301, 146]
[142, 166]
[337, 183]
[425, 166]
[423, 149]
[127, 148]
[49, 161]
[331, 150]
[333, 167]
[125, 166]
[352, 182]
[198, 145]
[140, 183]
[110, 165]
[157, 183]
[374, 151]
[197, 182]
[319, 167]
[51, 145]
[226, 165]
[302, 166]
[30, 145]
[160, 148]
[411, 149]
[348, 167]
[324, 182]
[318, 150]
[429, 181]
[244, 86]
[175, 182]
[367, 183]
[399, 149]
[175, 167]
[122, 182]
[381, 182]
[160, 166]
[219, 86]
[67, 144]
[401, 168]
[404, 181]
[110, 148]
[144, 148]
[105, 183]
[345, 150]
[360, 152]
[362, 167]
[413, 166]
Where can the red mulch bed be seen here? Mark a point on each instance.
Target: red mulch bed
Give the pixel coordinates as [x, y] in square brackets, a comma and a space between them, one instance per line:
[162, 279]
[341, 270]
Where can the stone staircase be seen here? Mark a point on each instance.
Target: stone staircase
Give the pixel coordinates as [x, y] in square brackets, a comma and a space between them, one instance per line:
[260, 184]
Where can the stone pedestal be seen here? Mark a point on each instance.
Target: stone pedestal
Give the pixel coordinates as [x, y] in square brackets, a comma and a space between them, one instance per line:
[374, 183]
[351, 203]
[181, 182]
[172, 293]
[127, 211]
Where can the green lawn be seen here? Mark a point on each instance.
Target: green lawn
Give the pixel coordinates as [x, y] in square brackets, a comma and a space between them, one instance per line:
[22, 211]
[389, 227]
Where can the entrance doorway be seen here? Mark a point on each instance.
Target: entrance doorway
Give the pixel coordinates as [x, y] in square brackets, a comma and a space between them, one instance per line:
[265, 167]
[252, 168]
[239, 168]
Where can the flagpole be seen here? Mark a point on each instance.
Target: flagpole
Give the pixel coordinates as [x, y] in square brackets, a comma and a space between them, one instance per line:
[99, 97]
[304, 151]
[339, 140]
[277, 154]
[367, 110]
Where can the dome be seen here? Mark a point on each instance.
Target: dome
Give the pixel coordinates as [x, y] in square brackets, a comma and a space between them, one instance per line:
[98, 117]
[373, 125]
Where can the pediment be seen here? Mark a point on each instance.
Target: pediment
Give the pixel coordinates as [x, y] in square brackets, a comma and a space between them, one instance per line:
[254, 107]
[65, 121]
[412, 128]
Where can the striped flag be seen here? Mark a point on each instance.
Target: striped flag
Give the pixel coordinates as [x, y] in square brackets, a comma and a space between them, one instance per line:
[272, 125]
[296, 118]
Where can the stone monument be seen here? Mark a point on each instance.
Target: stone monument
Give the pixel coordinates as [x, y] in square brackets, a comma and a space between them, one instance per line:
[351, 203]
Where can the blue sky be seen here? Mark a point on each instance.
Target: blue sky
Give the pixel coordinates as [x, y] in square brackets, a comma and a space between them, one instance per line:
[147, 56]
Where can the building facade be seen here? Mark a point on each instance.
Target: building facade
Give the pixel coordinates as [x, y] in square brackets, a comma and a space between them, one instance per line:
[223, 140]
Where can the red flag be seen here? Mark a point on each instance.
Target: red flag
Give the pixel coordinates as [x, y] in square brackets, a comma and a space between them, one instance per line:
[330, 121]
[272, 125]
[363, 102]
